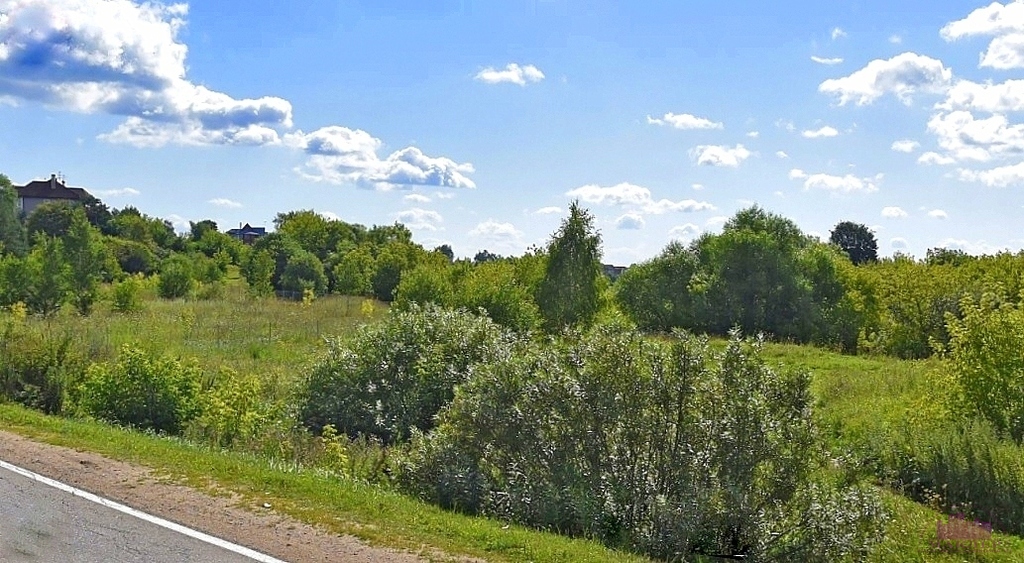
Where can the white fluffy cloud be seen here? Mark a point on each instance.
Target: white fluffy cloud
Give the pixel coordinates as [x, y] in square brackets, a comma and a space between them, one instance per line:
[684, 121]
[689, 231]
[826, 61]
[638, 197]
[838, 184]
[116, 193]
[965, 137]
[826, 131]
[717, 155]
[420, 219]
[935, 158]
[938, 214]
[630, 221]
[893, 213]
[512, 73]
[122, 58]
[548, 210]
[988, 97]
[781, 154]
[976, 248]
[224, 202]
[1004, 22]
[905, 145]
[837, 33]
[903, 75]
[999, 177]
[341, 155]
[417, 198]
[503, 236]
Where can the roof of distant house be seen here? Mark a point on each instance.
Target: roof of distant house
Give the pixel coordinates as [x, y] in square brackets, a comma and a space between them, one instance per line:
[54, 188]
[247, 229]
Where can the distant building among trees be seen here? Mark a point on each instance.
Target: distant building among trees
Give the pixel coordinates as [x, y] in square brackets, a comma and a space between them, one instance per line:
[247, 233]
[38, 192]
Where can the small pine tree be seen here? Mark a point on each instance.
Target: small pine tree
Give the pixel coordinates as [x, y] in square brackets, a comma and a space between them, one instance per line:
[570, 294]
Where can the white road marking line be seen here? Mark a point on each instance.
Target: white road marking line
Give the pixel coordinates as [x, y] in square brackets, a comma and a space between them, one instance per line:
[245, 551]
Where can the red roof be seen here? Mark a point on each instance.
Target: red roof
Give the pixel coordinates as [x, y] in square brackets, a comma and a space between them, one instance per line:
[53, 188]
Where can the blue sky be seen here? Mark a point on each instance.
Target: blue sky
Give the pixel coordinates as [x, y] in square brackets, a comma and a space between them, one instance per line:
[476, 123]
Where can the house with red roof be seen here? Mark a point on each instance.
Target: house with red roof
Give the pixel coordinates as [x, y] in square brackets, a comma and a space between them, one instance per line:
[38, 192]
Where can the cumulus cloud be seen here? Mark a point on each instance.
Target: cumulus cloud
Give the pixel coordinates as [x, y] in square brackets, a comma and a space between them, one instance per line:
[988, 97]
[548, 210]
[224, 202]
[512, 73]
[417, 198]
[717, 155]
[965, 137]
[116, 193]
[684, 121]
[837, 184]
[826, 61]
[837, 33]
[826, 131]
[753, 134]
[341, 155]
[893, 213]
[999, 177]
[905, 145]
[503, 235]
[689, 231]
[975, 248]
[638, 197]
[630, 221]
[903, 75]
[781, 154]
[715, 222]
[898, 243]
[1003, 22]
[935, 158]
[122, 58]
[938, 214]
[420, 219]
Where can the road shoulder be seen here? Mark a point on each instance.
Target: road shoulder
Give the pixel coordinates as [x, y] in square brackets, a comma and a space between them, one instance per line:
[258, 528]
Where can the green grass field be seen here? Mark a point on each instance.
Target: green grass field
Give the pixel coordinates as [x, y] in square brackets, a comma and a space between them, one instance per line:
[860, 399]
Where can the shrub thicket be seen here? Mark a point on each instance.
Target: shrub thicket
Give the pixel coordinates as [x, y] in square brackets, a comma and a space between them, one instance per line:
[671, 451]
[143, 391]
[395, 376]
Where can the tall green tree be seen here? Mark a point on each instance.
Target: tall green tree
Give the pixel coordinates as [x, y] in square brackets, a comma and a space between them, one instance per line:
[856, 240]
[259, 273]
[52, 218]
[49, 274]
[569, 294]
[86, 257]
[12, 233]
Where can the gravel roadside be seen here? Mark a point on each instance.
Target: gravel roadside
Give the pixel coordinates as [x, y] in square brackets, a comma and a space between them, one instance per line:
[259, 528]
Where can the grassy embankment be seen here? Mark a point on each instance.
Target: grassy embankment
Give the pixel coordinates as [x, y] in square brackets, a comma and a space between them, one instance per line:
[860, 398]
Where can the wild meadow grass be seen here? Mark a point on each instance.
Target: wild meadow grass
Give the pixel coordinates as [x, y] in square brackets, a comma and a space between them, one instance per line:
[872, 409]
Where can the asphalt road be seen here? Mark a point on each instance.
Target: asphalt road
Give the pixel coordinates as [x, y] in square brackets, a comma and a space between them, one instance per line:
[40, 523]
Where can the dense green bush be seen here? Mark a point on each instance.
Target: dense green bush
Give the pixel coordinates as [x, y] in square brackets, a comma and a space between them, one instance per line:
[142, 390]
[395, 376]
[38, 368]
[176, 277]
[236, 408]
[304, 271]
[126, 295]
[668, 450]
[986, 353]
